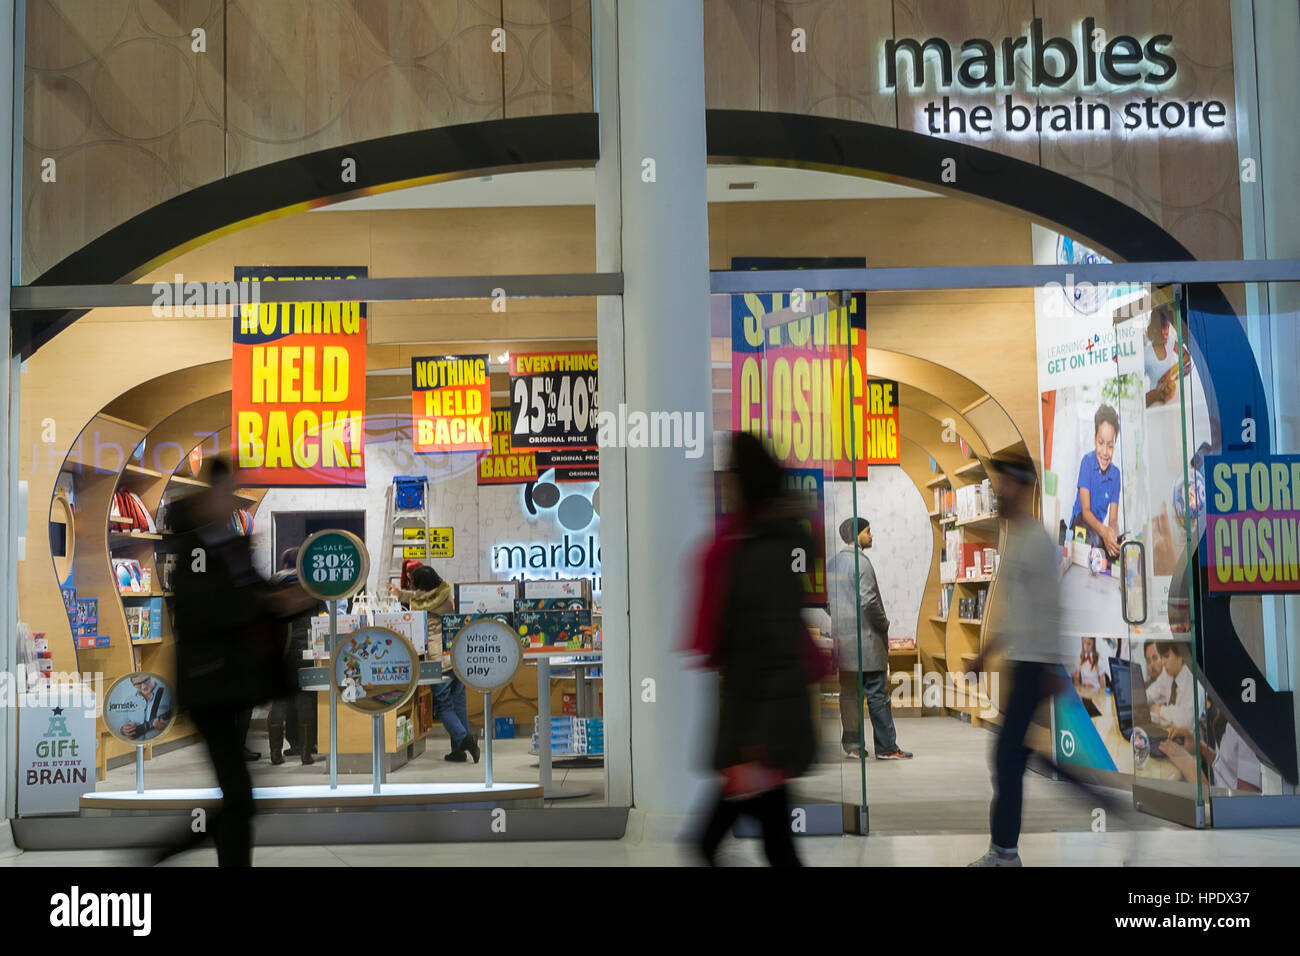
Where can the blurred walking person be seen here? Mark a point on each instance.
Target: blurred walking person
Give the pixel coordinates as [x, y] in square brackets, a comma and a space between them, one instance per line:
[293, 718]
[749, 627]
[1026, 632]
[230, 646]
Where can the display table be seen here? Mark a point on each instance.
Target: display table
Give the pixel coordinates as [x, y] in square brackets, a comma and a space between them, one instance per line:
[544, 656]
[355, 730]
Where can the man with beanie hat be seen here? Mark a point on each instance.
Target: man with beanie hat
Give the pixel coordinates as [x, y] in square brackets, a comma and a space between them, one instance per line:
[864, 667]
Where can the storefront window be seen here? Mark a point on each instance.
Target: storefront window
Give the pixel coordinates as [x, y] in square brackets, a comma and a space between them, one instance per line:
[456, 439]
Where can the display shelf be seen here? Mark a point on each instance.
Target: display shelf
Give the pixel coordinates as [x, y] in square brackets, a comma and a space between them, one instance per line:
[975, 468]
[143, 641]
[937, 482]
[186, 480]
[123, 537]
[988, 519]
[128, 595]
[139, 471]
[938, 619]
[971, 621]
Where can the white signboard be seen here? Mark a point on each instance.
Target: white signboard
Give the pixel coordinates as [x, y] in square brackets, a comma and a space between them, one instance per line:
[56, 756]
[486, 654]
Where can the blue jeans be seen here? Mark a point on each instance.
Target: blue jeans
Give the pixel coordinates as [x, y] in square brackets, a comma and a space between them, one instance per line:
[449, 707]
[875, 688]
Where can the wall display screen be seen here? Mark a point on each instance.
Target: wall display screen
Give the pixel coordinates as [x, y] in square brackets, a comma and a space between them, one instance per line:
[298, 383]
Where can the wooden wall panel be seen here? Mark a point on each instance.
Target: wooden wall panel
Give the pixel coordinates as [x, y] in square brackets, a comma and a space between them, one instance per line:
[731, 71]
[1184, 182]
[306, 75]
[957, 21]
[133, 116]
[835, 75]
[130, 115]
[547, 63]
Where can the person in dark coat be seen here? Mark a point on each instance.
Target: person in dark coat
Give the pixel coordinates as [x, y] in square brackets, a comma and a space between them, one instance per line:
[293, 718]
[229, 647]
[749, 626]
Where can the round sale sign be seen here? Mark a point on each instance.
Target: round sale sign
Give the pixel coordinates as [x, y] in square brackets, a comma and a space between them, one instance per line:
[333, 565]
[375, 670]
[485, 654]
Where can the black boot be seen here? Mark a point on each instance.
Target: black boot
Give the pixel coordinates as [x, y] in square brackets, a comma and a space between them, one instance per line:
[470, 746]
[276, 733]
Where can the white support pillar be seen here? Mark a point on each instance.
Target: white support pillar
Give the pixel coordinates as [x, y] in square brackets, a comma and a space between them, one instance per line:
[652, 218]
[9, 371]
[1267, 74]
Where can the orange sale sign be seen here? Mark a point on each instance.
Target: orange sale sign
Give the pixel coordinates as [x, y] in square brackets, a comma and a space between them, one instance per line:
[451, 404]
[298, 385]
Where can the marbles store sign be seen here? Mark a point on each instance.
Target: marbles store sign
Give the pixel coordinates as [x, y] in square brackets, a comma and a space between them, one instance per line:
[1097, 68]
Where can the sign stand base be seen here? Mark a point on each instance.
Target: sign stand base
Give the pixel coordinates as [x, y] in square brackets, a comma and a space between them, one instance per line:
[377, 750]
[487, 739]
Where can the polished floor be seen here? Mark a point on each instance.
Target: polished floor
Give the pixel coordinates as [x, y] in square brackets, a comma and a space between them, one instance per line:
[930, 811]
[1150, 848]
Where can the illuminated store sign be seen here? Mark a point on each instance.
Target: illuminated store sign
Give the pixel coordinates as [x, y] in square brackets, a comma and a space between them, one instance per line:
[573, 557]
[1088, 62]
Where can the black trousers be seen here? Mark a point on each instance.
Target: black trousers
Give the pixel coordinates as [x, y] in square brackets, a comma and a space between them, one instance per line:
[298, 714]
[1011, 756]
[770, 809]
[231, 827]
[1029, 688]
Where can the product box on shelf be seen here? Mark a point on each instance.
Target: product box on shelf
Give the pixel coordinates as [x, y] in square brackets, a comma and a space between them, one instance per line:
[552, 627]
[452, 624]
[556, 589]
[85, 619]
[486, 597]
[503, 728]
[413, 625]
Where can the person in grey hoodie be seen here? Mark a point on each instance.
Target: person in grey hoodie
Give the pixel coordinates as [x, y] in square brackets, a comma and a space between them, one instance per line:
[864, 669]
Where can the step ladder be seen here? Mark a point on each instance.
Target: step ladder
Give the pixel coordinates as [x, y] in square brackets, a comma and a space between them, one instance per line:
[396, 521]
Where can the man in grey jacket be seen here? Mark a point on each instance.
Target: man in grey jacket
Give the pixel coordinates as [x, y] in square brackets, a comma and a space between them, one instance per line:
[855, 596]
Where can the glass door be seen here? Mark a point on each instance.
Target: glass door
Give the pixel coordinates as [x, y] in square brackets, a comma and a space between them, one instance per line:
[1145, 543]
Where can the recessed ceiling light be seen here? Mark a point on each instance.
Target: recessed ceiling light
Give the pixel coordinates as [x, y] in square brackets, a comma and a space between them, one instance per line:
[749, 185]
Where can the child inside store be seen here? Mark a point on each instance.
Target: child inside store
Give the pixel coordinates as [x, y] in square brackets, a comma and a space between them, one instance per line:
[430, 593]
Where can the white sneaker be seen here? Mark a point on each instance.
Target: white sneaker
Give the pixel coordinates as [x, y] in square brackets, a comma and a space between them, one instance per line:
[994, 858]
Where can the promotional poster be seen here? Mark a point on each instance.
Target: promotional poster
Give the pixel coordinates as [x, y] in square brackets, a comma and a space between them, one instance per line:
[451, 404]
[298, 385]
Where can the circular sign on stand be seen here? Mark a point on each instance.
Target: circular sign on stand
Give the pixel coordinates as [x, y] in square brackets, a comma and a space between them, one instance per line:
[374, 670]
[485, 654]
[333, 565]
[139, 708]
